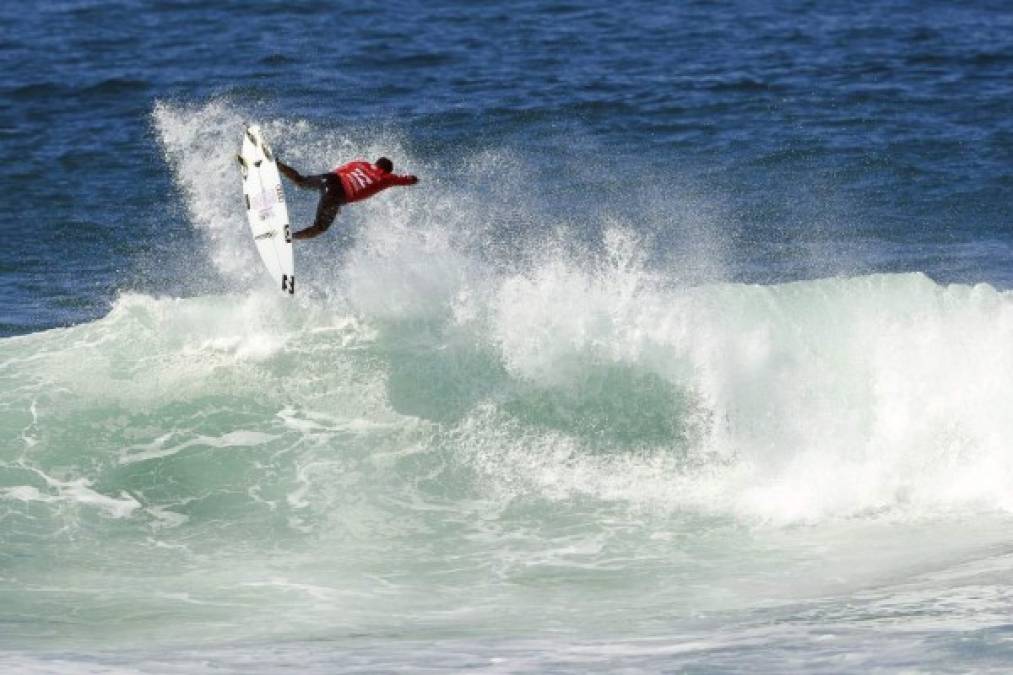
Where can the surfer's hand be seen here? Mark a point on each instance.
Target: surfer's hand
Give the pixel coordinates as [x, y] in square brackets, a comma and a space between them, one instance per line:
[413, 179]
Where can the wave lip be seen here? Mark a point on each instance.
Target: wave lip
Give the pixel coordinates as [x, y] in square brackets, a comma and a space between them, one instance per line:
[793, 403]
[839, 396]
[239, 458]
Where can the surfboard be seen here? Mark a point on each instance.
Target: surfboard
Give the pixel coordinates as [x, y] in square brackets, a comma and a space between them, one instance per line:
[266, 209]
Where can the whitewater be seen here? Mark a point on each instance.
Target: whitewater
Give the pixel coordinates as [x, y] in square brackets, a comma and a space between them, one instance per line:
[536, 453]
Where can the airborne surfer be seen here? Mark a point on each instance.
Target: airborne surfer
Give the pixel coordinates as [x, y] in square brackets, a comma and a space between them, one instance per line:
[351, 182]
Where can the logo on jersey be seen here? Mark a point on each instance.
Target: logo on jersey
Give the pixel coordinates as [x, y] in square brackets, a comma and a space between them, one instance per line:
[360, 179]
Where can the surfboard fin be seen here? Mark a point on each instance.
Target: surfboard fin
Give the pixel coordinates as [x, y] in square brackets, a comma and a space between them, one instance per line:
[288, 283]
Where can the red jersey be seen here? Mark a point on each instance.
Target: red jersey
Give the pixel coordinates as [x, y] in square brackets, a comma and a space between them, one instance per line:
[362, 179]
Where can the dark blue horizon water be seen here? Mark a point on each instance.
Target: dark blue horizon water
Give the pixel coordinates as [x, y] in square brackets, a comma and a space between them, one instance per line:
[880, 134]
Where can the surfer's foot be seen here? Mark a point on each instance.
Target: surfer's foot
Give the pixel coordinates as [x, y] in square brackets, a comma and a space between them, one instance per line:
[289, 172]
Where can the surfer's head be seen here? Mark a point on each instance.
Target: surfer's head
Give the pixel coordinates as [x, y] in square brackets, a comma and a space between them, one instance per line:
[385, 164]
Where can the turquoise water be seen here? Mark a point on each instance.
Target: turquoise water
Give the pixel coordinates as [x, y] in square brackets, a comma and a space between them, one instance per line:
[670, 476]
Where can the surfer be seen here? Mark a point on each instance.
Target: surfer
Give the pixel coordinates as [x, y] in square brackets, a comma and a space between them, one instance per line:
[348, 183]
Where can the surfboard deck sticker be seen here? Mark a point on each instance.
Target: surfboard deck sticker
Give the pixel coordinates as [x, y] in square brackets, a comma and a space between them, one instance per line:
[264, 200]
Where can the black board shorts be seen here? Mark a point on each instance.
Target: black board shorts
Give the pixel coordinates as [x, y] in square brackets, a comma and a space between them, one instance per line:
[329, 185]
[332, 196]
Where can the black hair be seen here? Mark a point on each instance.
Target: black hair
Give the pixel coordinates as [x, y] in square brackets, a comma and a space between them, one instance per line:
[385, 164]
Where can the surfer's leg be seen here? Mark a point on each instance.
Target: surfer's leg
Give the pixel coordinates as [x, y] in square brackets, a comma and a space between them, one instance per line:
[305, 182]
[327, 210]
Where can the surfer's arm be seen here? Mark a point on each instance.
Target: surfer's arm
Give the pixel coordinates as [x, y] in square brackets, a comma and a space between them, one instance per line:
[395, 179]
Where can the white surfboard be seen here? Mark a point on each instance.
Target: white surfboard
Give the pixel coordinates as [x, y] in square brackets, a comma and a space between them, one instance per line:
[265, 208]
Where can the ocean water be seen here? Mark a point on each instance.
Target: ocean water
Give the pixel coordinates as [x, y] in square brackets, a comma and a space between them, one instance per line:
[692, 351]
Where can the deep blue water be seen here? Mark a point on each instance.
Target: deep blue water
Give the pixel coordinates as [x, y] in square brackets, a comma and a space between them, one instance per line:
[880, 134]
[691, 351]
